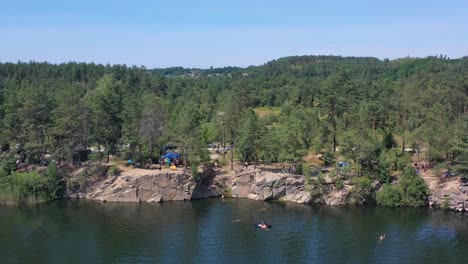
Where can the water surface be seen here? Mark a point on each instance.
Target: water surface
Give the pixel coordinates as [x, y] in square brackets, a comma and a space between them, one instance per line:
[203, 232]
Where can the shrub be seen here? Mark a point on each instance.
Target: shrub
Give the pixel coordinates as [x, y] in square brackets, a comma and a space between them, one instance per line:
[97, 169]
[299, 169]
[328, 158]
[411, 191]
[362, 191]
[321, 179]
[31, 187]
[315, 193]
[7, 166]
[194, 172]
[415, 191]
[446, 202]
[114, 170]
[339, 184]
[306, 171]
[5, 146]
[390, 196]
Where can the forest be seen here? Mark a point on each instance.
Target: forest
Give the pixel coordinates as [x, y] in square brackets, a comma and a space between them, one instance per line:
[366, 111]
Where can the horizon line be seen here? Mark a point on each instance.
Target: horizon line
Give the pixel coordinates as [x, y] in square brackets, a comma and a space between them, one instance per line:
[439, 56]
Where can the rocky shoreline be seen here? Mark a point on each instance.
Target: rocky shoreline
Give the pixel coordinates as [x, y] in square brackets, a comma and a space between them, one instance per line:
[151, 186]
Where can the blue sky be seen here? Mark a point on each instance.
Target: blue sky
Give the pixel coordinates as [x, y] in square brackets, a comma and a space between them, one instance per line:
[220, 33]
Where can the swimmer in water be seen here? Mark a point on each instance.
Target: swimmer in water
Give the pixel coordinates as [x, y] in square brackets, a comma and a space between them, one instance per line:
[382, 237]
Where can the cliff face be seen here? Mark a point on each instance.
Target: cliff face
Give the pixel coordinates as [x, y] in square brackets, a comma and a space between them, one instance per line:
[451, 194]
[149, 187]
[270, 186]
[266, 186]
[135, 185]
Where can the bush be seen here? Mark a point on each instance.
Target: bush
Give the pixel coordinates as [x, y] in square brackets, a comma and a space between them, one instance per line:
[306, 171]
[446, 202]
[362, 191]
[114, 170]
[411, 191]
[328, 158]
[384, 175]
[5, 146]
[339, 184]
[321, 179]
[390, 196]
[299, 169]
[29, 188]
[97, 169]
[415, 191]
[194, 171]
[395, 159]
[315, 193]
[7, 166]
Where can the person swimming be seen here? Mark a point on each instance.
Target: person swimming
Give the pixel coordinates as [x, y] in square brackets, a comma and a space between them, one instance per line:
[263, 225]
[236, 220]
[382, 237]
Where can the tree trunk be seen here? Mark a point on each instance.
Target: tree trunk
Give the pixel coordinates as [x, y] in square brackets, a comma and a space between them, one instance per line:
[334, 136]
[224, 145]
[404, 127]
[232, 149]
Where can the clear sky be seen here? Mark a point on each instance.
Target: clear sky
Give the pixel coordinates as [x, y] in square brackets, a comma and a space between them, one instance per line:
[204, 33]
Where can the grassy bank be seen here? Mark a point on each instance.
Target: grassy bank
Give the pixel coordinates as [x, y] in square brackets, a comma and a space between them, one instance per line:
[27, 187]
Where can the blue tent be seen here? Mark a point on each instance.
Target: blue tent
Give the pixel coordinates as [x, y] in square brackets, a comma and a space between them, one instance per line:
[171, 155]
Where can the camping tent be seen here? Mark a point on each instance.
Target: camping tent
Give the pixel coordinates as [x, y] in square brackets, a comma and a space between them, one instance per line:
[171, 155]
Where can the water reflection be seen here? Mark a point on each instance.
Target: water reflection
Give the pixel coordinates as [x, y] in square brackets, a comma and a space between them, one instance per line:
[203, 232]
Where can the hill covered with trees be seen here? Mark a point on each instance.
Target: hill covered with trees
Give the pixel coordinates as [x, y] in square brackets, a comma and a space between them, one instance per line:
[364, 110]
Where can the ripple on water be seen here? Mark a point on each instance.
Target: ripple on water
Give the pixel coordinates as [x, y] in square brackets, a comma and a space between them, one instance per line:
[203, 232]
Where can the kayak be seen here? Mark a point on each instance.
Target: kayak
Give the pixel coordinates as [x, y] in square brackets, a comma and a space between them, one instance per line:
[258, 226]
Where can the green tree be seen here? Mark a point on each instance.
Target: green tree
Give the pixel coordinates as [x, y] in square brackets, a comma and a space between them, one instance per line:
[105, 103]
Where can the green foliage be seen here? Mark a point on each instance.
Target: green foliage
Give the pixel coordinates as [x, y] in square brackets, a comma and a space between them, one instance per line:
[299, 169]
[328, 158]
[411, 191]
[5, 146]
[339, 184]
[114, 170]
[395, 159]
[460, 151]
[389, 141]
[362, 190]
[194, 172]
[416, 191]
[390, 196]
[7, 166]
[306, 170]
[29, 187]
[446, 202]
[96, 169]
[321, 179]
[359, 106]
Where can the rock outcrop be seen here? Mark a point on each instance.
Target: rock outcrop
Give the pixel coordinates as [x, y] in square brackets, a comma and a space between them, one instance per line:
[258, 185]
[148, 188]
[451, 194]
[138, 185]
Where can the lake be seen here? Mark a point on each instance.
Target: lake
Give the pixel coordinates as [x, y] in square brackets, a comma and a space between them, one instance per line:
[203, 231]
